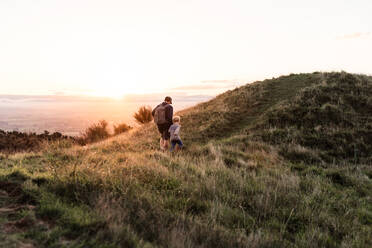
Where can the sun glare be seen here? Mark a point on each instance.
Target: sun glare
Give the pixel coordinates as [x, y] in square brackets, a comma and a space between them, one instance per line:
[116, 95]
[118, 91]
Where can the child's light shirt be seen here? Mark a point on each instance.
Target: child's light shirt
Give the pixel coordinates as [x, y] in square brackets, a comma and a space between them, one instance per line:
[174, 131]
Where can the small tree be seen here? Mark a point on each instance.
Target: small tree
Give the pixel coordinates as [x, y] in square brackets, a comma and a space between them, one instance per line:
[144, 115]
[96, 132]
[121, 128]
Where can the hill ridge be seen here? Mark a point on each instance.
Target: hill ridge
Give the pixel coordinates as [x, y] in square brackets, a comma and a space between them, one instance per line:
[255, 184]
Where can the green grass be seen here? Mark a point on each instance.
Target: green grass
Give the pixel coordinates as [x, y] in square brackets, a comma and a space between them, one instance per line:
[248, 178]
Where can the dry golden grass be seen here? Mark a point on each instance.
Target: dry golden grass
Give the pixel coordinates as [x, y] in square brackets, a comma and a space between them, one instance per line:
[228, 190]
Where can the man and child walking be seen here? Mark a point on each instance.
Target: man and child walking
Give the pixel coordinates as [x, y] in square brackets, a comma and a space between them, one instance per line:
[168, 125]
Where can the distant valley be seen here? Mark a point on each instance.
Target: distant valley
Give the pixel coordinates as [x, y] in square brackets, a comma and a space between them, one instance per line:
[71, 115]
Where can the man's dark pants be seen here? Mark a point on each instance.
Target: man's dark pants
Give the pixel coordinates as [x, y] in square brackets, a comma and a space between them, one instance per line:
[164, 130]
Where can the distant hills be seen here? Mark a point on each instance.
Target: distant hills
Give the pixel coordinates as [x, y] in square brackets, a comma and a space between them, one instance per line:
[71, 115]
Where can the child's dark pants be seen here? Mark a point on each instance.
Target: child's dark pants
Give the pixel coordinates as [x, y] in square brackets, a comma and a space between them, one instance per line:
[174, 143]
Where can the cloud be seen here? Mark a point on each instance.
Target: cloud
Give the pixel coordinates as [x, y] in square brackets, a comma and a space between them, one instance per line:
[177, 97]
[70, 92]
[203, 87]
[206, 85]
[357, 35]
[59, 93]
[49, 98]
[216, 81]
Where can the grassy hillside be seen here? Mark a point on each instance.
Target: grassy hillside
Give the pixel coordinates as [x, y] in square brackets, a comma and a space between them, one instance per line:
[284, 162]
[327, 115]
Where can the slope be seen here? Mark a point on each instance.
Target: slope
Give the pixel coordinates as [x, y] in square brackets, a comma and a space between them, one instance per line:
[317, 118]
[235, 185]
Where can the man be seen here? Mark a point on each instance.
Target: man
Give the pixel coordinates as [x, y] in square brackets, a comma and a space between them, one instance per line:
[163, 115]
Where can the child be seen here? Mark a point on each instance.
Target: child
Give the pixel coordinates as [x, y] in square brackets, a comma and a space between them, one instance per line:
[174, 131]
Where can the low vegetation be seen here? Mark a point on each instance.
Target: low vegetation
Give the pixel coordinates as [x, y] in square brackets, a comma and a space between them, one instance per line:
[143, 115]
[14, 141]
[121, 128]
[246, 179]
[96, 132]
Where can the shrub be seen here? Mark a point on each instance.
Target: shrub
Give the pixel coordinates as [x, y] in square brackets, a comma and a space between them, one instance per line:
[14, 141]
[96, 132]
[121, 128]
[143, 115]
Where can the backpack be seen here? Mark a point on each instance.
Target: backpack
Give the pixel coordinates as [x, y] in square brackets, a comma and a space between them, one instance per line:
[159, 116]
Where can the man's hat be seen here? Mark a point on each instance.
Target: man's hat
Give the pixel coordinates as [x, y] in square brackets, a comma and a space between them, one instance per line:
[168, 99]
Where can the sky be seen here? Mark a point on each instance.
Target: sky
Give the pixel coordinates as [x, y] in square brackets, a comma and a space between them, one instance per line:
[118, 47]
